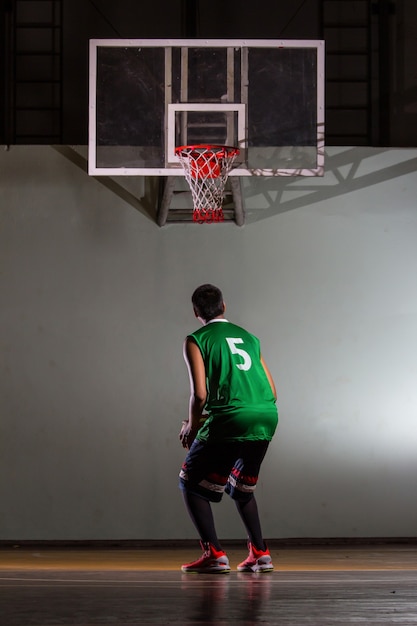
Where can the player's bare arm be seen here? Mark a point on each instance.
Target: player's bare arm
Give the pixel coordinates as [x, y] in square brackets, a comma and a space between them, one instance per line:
[269, 376]
[198, 392]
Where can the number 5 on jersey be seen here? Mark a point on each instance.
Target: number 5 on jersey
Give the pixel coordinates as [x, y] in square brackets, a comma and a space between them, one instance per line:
[247, 361]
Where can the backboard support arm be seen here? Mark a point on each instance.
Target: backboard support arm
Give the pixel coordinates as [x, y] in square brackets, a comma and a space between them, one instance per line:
[166, 193]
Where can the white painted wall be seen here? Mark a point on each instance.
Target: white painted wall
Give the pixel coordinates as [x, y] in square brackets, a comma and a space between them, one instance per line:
[95, 303]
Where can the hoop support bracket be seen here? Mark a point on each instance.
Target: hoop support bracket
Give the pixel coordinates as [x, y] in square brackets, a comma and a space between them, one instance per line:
[167, 214]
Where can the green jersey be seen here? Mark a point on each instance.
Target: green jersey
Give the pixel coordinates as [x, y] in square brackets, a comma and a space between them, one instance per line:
[240, 402]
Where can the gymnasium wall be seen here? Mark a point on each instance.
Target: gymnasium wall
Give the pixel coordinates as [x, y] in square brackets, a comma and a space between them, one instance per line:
[95, 304]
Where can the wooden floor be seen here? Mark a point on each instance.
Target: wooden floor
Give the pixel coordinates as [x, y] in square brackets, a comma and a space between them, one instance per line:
[122, 587]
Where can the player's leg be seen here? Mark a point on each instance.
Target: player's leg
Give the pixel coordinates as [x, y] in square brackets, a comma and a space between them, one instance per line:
[199, 510]
[248, 511]
[241, 486]
[213, 560]
[203, 479]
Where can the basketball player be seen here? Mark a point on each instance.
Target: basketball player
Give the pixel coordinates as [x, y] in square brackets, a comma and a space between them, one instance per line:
[230, 381]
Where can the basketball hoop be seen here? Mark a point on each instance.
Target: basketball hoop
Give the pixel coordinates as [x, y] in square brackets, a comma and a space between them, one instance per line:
[206, 169]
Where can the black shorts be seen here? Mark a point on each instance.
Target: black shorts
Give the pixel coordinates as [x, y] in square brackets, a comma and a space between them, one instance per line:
[210, 469]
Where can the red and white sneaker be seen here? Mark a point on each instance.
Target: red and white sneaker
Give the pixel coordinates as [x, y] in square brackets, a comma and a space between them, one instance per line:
[211, 562]
[257, 561]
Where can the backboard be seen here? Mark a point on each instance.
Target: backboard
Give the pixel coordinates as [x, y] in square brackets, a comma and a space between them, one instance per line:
[149, 96]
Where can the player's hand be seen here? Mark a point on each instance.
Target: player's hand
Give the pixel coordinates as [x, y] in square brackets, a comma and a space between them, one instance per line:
[186, 435]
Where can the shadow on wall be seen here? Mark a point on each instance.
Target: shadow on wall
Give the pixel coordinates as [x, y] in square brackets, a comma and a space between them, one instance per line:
[140, 193]
[346, 170]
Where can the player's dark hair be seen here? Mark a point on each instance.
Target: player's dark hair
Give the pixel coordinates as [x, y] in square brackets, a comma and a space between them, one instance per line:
[207, 302]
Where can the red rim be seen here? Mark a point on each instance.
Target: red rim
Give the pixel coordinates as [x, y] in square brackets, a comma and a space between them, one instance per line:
[230, 151]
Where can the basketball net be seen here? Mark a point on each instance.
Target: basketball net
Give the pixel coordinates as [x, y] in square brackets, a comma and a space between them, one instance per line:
[206, 168]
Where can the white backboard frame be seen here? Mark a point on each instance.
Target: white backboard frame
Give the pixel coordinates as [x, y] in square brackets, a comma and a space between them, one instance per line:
[174, 168]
